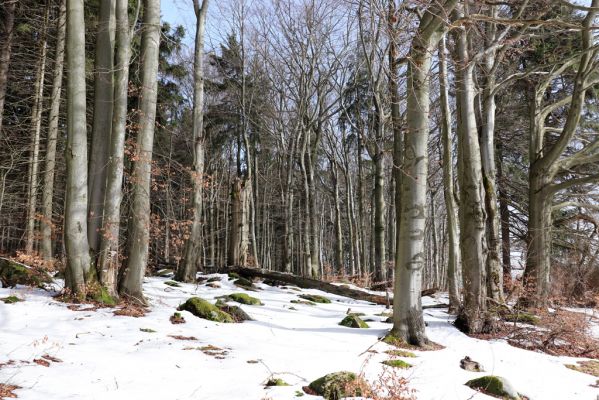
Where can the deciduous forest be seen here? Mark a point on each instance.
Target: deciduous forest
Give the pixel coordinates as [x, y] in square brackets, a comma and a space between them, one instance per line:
[424, 171]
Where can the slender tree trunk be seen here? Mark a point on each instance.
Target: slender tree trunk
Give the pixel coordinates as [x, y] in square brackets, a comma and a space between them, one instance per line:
[108, 263]
[338, 229]
[473, 317]
[191, 260]
[487, 144]
[6, 35]
[448, 187]
[139, 222]
[36, 130]
[380, 266]
[504, 213]
[79, 270]
[102, 122]
[48, 192]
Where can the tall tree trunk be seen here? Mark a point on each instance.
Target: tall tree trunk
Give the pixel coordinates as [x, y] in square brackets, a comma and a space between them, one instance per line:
[448, 187]
[192, 256]
[234, 252]
[6, 35]
[36, 131]
[338, 229]
[408, 322]
[380, 265]
[487, 145]
[108, 263]
[139, 222]
[473, 317]
[79, 270]
[48, 192]
[395, 123]
[504, 213]
[102, 122]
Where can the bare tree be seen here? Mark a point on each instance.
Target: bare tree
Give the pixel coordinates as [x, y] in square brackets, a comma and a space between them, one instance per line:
[139, 222]
[189, 265]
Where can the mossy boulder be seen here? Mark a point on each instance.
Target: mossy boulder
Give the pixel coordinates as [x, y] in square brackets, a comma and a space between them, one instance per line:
[11, 299]
[337, 385]
[276, 382]
[397, 364]
[401, 353]
[494, 386]
[172, 284]
[206, 310]
[244, 284]
[315, 298]
[233, 275]
[213, 279]
[100, 295]
[165, 272]
[353, 321]
[235, 312]
[244, 298]
[13, 273]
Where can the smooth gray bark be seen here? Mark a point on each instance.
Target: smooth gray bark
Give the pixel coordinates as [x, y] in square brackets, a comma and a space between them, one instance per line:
[453, 248]
[192, 256]
[109, 261]
[139, 222]
[102, 122]
[408, 322]
[75, 230]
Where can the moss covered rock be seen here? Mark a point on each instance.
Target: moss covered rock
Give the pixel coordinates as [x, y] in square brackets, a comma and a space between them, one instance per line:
[203, 309]
[494, 386]
[397, 364]
[235, 312]
[233, 275]
[13, 273]
[401, 353]
[11, 299]
[337, 385]
[353, 321]
[165, 272]
[244, 298]
[315, 298]
[100, 294]
[172, 284]
[213, 279]
[276, 382]
[244, 283]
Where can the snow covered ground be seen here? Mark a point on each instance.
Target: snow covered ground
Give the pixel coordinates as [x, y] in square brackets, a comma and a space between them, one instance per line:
[110, 357]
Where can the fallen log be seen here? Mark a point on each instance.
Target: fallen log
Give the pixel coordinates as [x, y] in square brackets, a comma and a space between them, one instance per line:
[309, 283]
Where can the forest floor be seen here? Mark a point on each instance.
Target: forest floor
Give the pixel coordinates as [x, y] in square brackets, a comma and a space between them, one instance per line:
[53, 351]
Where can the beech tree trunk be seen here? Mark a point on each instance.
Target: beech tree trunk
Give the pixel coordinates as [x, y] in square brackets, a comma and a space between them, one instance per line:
[109, 261]
[473, 316]
[453, 248]
[47, 226]
[192, 256]
[408, 322]
[79, 270]
[139, 222]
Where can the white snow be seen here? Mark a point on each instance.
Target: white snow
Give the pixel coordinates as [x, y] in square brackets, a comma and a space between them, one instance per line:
[108, 357]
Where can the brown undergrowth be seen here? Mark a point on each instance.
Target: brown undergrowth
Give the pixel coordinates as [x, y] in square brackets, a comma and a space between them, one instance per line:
[558, 333]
